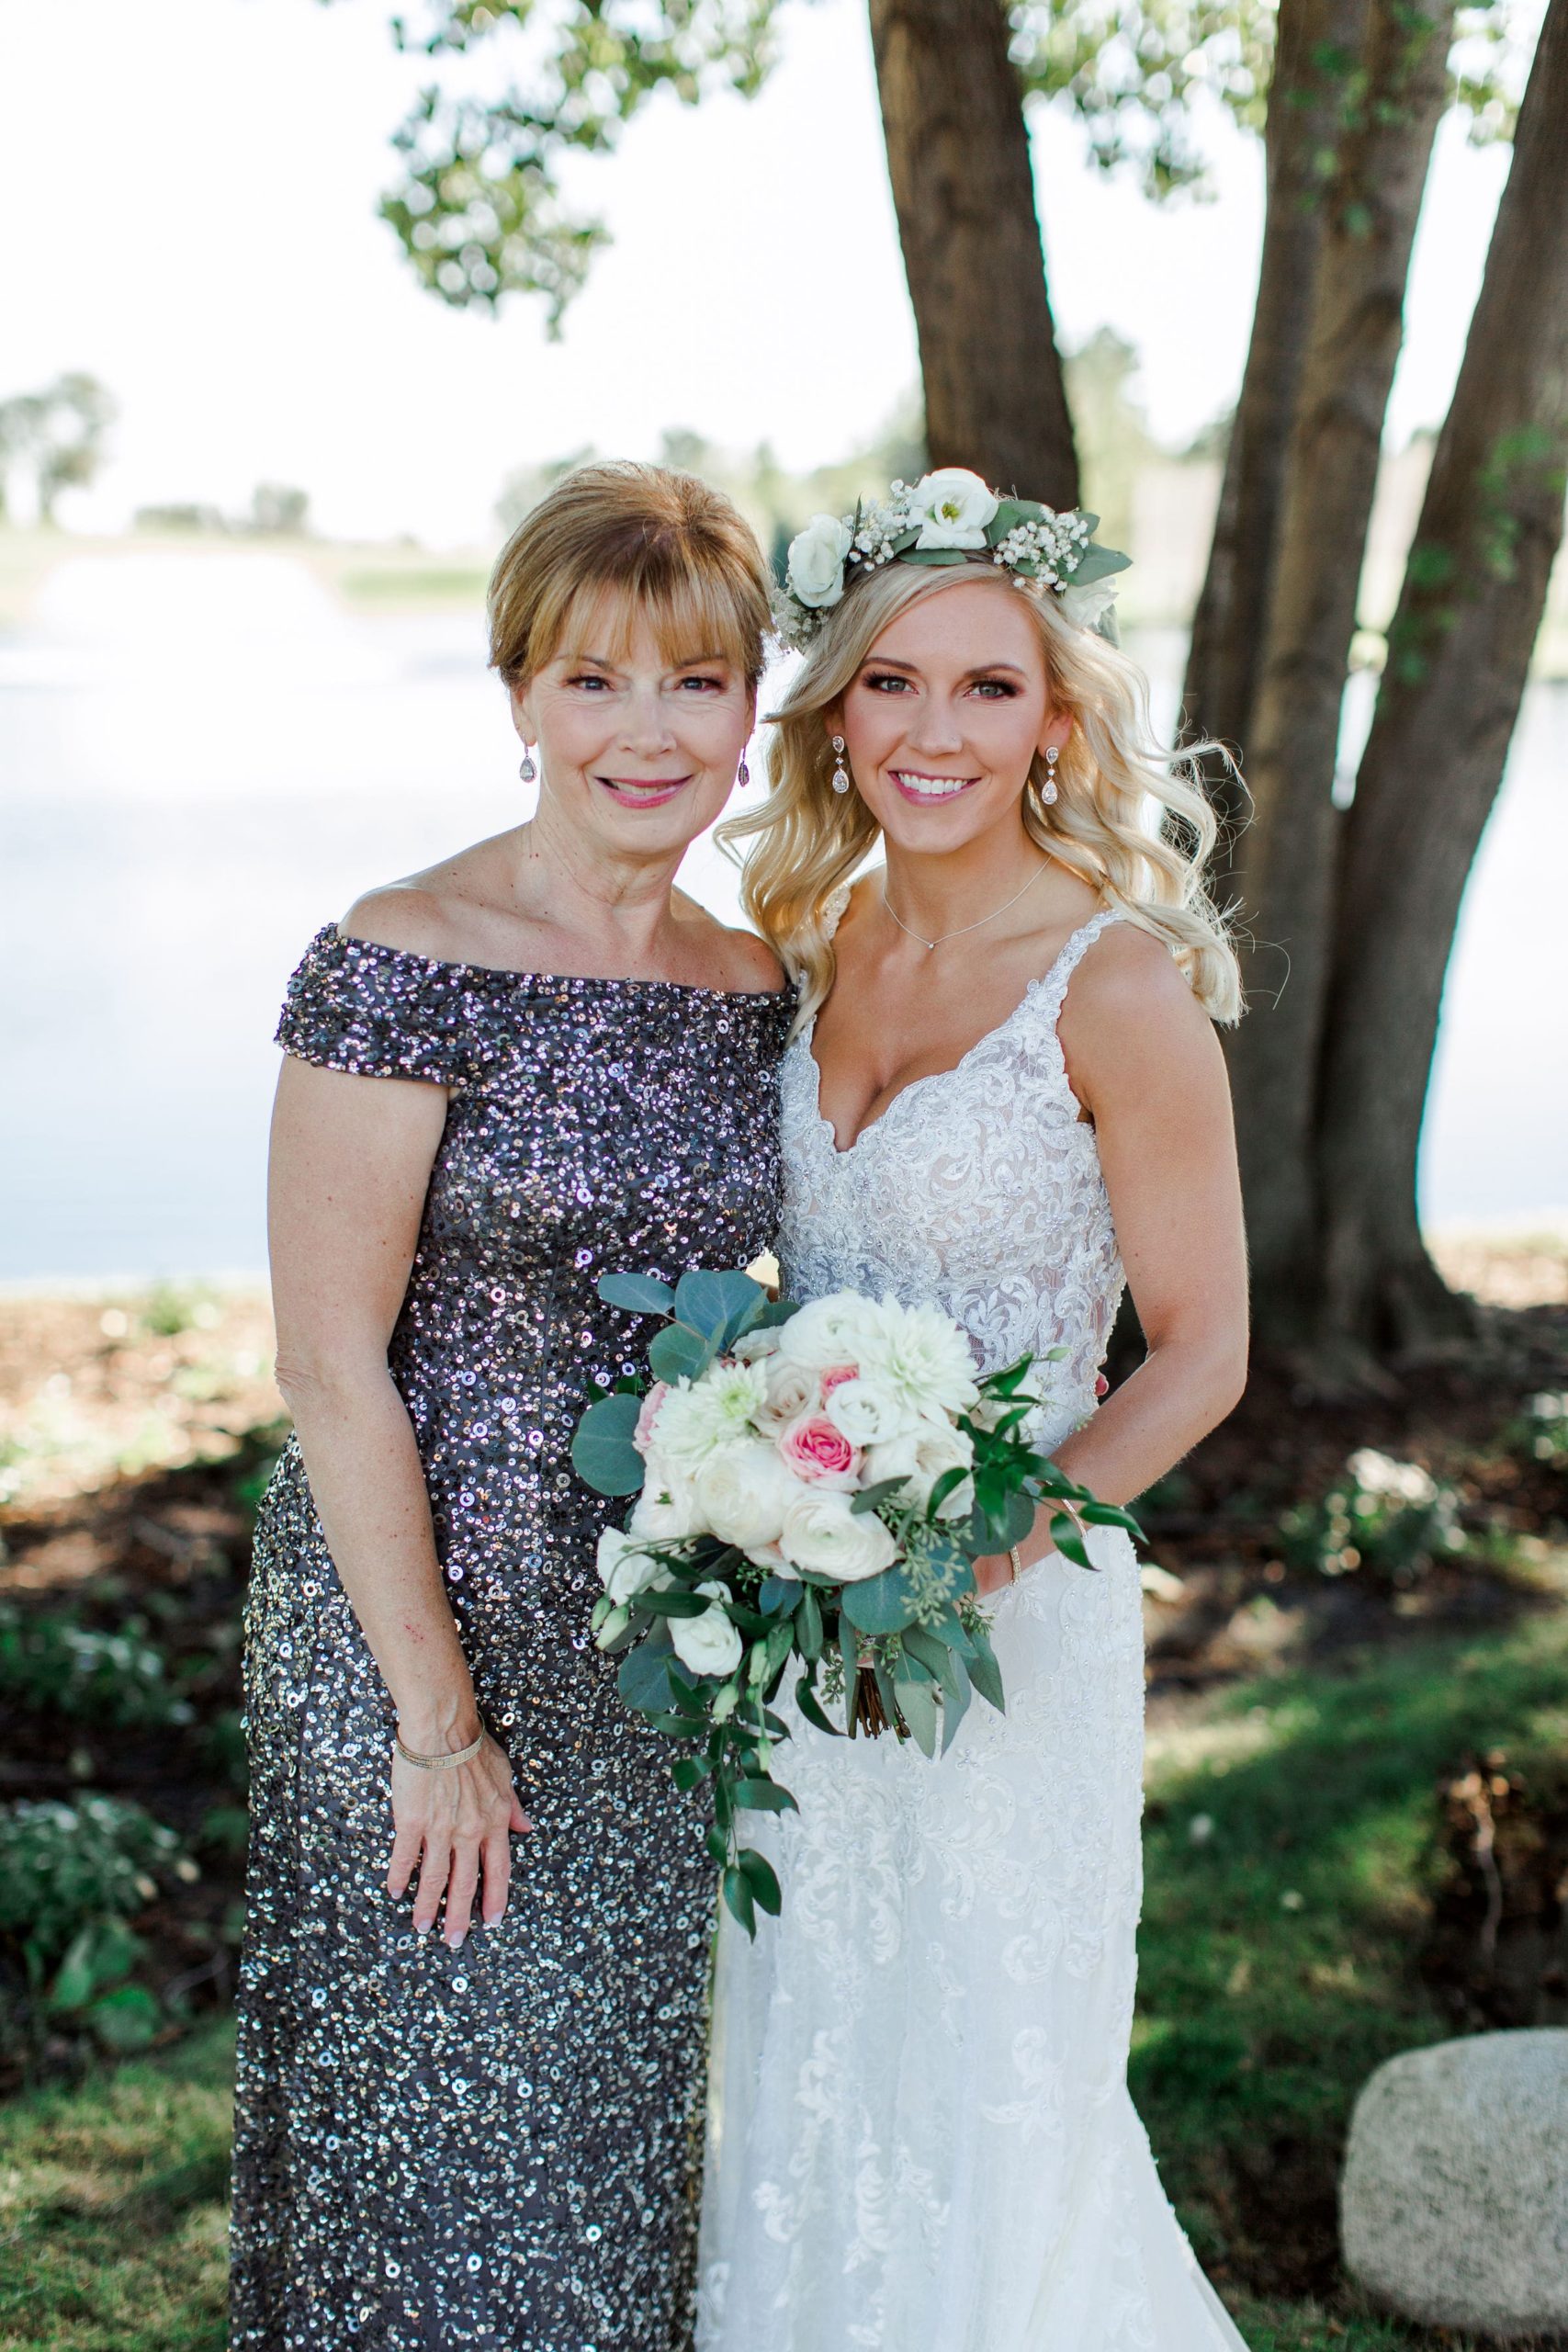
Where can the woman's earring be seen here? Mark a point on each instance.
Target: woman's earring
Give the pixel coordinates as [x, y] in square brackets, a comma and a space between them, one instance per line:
[742, 774]
[840, 773]
[527, 770]
[1048, 789]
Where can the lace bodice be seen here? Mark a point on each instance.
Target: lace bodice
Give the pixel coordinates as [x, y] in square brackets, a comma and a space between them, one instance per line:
[979, 1189]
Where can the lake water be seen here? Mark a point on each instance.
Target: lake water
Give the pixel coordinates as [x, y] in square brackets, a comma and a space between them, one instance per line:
[202, 759]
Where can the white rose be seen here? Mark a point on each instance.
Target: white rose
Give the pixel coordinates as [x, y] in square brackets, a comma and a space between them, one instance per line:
[1087, 606]
[815, 568]
[953, 507]
[921, 1355]
[713, 1411]
[625, 1568]
[710, 1644]
[752, 1346]
[869, 1411]
[743, 1492]
[822, 1535]
[793, 1389]
[919, 1459]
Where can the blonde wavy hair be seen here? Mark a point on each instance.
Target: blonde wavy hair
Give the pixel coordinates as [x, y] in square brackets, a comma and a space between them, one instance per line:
[1130, 817]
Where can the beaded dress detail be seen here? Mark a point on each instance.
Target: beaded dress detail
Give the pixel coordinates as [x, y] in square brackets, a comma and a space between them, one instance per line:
[496, 2147]
[919, 2137]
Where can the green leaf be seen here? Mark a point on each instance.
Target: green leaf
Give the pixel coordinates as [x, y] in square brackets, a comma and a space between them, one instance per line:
[776, 1593]
[718, 1846]
[689, 1771]
[670, 1600]
[808, 1624]
[880, 1604]
[643, 1680]
[930, 1648]
[602, 1453]
[773, 1312]
[1097, 564]
[679, 1353]
[105, 1949]
[639, 1293]
[873, 1497]
[948, 1483]
[760, 1877]
[938, 556]
[765, 1796]
[986, 1674]
[738, 1895]
[955, 1695]
[917, 1704]
[805, 1699]
[715, 1304]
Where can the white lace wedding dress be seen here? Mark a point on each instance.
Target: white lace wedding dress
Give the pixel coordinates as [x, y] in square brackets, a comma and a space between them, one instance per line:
[919, 2133]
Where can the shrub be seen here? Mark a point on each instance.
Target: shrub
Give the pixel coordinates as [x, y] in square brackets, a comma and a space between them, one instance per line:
[1391, 1518]
[51, 1664]
[67, 1866]
[1540, 1433]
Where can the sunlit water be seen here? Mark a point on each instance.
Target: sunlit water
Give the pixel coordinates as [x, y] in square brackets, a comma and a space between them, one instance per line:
[202, 759]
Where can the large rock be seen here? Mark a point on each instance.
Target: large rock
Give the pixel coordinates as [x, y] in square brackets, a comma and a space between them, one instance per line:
[1453, 2208]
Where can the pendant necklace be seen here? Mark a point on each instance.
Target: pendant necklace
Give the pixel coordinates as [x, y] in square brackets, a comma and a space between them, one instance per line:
[929, 943]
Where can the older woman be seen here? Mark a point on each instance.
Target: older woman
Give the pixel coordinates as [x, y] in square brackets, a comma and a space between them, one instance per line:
[467, 2112]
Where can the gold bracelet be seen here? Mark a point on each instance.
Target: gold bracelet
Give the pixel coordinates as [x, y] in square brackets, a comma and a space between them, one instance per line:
[438, 1763]
[1017, 1563]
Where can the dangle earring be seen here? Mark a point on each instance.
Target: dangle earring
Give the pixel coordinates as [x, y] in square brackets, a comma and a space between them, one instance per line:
[1048, 789]
[840, 773]
[742, 774]
[527, 771]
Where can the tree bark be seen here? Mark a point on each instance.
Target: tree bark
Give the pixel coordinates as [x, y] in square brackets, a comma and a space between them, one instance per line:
[964, 191]
[1459, 658]
[1286, 857]
[1315, 46]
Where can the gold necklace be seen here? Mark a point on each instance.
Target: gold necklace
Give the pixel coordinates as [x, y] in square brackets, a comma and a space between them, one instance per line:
[929, 943]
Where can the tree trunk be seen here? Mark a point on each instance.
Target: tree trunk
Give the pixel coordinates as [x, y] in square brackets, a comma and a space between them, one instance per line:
[1316, 45]
[1287, 854]
[963, 191]
[1458, 661]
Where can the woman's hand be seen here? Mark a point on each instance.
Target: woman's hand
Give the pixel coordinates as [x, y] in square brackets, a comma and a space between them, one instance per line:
[454, 1825]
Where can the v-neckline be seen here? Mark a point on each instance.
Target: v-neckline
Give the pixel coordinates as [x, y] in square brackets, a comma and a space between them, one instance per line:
[930, 1076]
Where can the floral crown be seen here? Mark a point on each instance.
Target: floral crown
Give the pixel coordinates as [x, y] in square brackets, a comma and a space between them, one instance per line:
[941, 519]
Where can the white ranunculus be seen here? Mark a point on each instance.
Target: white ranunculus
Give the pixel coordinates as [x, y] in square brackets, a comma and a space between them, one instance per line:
[743, 1492]
[870, 1411]
[922, 1356]
[625, 1568]
[710, 1411]
[815, 568]
[666, 1511]
[953, 507]
[752, 1346]
[828, 1331]
[823, 1535]
[919, 1459]
[710, 1644]
[1087, 606]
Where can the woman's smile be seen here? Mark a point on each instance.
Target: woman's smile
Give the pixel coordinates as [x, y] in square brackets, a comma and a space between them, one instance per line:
[644, 791]
[925, 789]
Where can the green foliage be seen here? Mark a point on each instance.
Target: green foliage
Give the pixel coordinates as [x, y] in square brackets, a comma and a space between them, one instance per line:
[50, 1664]
[58, 434]
[1540, 1433]
[66, 1867]
[1389, 1520]
[480, 207]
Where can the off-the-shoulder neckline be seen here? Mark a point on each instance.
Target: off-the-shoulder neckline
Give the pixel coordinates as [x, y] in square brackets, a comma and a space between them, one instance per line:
[336, 938]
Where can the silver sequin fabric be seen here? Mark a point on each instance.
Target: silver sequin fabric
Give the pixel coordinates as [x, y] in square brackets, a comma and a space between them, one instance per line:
[498, 2147]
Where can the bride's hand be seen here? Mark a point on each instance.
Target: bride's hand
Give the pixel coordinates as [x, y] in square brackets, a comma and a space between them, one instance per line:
[453, 1825]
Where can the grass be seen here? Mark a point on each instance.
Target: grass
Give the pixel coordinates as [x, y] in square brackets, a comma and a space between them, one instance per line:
[113, 2207]
[1276, 1975]
[1287, 1848]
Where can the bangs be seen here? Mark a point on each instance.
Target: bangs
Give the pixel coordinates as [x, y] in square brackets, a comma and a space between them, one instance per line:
[694, 614]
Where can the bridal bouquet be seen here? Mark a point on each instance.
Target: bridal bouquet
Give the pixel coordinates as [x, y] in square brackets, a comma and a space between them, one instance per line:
[814, 1485]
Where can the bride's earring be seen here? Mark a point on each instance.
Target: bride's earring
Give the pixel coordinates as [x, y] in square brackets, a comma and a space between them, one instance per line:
[1048, 789]
[840, 773]
[742, 774]
[527, 771]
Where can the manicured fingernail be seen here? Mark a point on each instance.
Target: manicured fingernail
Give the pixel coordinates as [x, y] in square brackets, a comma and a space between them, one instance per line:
[456, 1944]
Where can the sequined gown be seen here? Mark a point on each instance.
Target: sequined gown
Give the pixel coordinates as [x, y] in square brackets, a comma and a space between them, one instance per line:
[492, 2148]
[919, 2137]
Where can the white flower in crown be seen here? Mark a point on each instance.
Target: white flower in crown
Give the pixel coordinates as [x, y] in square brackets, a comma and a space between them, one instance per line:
[815, 573]
[1086, 607]
[953, 507]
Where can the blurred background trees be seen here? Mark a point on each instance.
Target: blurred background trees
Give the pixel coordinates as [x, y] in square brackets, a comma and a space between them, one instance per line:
[50, 441]
[1331, 1067]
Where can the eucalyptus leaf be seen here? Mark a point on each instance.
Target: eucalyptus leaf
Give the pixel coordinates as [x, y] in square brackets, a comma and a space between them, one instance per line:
[639, 1293]
[811, 1707]
[917, 1704]
[954, 1700]
[717, 1303]
[679, 1353]
[760, 1878]
[602, 1453]
[776, 1593]
[873, 1497]
[809, 1623]
[1098, 563]
[880, 1604]
[938, 556]
[738, 1895]
[986, 1676]
[765, 1796]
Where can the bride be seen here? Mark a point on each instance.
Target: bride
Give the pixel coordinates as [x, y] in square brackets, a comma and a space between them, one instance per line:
[1004, 1090]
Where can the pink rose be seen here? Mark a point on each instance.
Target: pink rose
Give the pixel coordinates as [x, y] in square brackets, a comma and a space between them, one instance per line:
[837, 1377]
[642, 1436]
[819, 1454]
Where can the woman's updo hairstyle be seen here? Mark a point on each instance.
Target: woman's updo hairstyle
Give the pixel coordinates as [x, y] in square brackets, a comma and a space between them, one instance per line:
[635, 538]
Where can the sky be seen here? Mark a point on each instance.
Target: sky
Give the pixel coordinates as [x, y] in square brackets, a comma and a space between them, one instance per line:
[199, 180]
